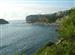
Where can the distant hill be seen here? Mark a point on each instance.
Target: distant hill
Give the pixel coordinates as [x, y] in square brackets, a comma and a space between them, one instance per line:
[47, 18]
[2, 21]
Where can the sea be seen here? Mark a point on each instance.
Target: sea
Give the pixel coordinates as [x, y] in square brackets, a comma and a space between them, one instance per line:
[19, 36]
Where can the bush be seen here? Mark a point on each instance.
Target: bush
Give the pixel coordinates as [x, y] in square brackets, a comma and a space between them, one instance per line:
[67, 25]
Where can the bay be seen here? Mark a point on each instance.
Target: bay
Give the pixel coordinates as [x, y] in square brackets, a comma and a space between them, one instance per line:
[18, 36]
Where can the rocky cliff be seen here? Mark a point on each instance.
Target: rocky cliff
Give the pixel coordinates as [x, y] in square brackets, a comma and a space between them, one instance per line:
[48, 18]
[2, 21]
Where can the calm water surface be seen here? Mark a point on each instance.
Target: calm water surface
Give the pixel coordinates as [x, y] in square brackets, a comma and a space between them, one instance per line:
[18, 35]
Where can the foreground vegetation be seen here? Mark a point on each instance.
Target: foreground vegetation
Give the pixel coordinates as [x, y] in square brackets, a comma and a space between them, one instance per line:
[66, 46]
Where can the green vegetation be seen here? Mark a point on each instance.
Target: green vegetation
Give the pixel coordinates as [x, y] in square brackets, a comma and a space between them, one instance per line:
[67, 25]
[67, 34]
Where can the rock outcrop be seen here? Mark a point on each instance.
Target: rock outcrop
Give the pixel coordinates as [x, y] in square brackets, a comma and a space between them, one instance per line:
[2, 21]
[47, 18]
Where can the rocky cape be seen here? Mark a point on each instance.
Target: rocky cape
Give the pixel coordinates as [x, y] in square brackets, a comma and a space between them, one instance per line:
[2, 21]
[46, 18]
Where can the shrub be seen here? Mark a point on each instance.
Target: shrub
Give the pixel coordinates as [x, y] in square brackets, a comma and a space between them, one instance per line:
[67, 25]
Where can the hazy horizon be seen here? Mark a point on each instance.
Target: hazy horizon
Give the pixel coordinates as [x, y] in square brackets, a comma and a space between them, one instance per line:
[18, 10]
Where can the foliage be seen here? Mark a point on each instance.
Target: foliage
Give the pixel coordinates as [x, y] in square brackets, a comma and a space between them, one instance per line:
[64, 48]
[67, 25]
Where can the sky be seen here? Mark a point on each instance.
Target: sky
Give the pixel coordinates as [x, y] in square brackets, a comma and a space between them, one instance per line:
[19, 9]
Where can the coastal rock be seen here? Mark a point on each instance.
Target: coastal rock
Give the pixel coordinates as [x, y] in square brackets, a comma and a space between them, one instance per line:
[2, 21]
[50, 43]
[46, 18]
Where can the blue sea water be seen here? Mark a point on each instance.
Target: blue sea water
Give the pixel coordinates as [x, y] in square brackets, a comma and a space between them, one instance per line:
[18, 36]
